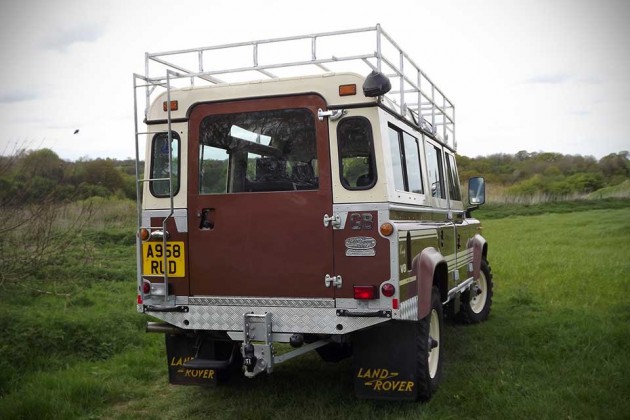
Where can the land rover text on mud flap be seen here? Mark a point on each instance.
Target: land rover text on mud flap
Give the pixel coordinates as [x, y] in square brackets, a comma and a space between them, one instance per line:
[313, 201]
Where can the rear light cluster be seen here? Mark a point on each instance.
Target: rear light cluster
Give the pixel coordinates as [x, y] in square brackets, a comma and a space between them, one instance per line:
[146, 290]
[388, 289]
[365, 292]
[371, 292]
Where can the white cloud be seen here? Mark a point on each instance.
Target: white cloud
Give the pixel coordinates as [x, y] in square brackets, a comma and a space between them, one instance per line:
[75, 33]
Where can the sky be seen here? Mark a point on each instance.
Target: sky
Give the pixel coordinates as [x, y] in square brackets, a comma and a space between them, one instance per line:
[535, 75]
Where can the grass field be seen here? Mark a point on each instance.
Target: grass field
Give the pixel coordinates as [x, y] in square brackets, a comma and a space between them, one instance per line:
[557, 343]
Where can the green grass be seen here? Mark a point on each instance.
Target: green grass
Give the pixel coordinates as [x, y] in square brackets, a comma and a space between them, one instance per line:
[557, 343]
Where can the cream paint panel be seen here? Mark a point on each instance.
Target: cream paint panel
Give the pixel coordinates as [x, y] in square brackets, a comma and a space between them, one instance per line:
[327, 85]
[180, 200]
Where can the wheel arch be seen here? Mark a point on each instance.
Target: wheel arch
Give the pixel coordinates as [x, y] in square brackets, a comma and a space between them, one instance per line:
[479, 247]
[430, 269]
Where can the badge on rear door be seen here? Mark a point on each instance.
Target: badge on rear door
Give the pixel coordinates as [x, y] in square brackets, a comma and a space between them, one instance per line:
[360, 246]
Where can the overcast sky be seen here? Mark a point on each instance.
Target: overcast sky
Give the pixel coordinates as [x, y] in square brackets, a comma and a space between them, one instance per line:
[535, 75]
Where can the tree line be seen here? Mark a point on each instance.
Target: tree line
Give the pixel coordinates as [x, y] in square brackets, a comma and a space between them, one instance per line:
[553, 174]
[30, 176]
[33, 175]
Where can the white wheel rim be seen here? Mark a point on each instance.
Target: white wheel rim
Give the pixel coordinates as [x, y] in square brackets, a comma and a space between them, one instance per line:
[478, 301]
[434, 333]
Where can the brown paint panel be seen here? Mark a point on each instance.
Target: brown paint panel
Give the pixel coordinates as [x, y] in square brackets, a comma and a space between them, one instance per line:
[364, 270]
[264, 244]
[177, 285]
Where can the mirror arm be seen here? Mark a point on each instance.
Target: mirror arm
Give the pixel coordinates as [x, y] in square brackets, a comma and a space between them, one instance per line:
[470, 209]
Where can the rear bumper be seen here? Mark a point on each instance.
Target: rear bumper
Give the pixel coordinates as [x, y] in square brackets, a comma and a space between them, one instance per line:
[314, 316]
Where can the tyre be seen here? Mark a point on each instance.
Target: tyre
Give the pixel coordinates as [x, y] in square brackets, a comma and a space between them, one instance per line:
[477, 301]
[429, 346]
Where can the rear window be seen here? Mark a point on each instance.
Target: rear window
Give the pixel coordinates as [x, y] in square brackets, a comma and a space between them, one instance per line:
[160, 165]
[356, 153]
[258, 151]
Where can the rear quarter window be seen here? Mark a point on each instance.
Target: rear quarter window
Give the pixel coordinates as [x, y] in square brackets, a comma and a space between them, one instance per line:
[357, 168]
[159, 187]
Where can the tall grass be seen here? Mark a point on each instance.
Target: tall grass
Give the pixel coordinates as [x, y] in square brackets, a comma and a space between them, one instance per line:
[498, 194]
[556, 344]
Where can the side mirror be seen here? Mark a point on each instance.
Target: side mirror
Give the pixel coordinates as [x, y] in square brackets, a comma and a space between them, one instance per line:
[476, 191]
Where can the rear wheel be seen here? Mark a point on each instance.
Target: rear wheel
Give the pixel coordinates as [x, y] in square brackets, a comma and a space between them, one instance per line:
[429, 346]
[477, 301]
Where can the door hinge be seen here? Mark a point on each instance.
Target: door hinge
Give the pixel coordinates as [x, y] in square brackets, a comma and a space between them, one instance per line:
[333, 281]
[335, 220]
[333, 114]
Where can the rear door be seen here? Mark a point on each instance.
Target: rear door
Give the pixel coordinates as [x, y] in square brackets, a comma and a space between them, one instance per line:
[259, 186]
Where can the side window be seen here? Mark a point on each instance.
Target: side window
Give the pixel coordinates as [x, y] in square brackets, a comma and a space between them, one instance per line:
[434, 169]
[356, 153]
[405, 161]
[453, 179]
[397, 159]
[412, 162]
[159, 164]
[274, 150]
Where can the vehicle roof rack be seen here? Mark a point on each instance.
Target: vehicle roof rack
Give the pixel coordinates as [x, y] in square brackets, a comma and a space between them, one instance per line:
[413, 96]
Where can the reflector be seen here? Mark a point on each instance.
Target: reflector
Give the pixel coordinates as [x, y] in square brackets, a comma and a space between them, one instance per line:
[347, 90]
[174, 106]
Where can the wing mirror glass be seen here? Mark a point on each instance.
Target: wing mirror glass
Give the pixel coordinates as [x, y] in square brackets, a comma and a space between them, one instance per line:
[476, 191]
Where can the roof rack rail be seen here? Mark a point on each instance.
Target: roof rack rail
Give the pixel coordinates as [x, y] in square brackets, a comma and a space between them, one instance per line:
[413, 96]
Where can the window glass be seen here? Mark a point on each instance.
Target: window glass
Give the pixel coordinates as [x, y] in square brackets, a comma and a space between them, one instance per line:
[356, 153]
[258, 151]
[412, 163]
[397, 165]
[453, 178]
[159, 164]
[434, 169]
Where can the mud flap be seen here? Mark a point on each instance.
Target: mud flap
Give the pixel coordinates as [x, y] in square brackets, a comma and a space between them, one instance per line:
[181, 349]
[384, 363]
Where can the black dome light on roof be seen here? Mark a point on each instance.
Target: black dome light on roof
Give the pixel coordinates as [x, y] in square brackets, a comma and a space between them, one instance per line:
[376, 84]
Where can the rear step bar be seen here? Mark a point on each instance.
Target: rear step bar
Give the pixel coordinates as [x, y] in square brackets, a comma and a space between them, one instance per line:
[209, 364]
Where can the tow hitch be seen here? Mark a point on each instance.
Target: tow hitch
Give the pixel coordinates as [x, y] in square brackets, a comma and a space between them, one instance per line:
[259, 354]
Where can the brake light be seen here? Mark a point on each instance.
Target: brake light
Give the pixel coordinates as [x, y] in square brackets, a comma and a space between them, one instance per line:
[388, 289]
[146, 287]
[365, 292]
[139, 299]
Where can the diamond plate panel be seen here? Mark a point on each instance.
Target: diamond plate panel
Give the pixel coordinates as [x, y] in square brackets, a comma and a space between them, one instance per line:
[284, 320]
[409, 309]
[257, 302]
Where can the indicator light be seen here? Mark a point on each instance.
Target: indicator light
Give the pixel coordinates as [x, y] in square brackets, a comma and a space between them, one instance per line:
[387, 229]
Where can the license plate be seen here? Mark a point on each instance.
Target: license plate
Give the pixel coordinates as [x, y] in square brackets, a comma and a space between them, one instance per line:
[153, 259]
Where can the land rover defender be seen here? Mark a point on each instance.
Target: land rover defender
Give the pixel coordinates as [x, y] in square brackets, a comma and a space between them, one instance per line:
[304, 190]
